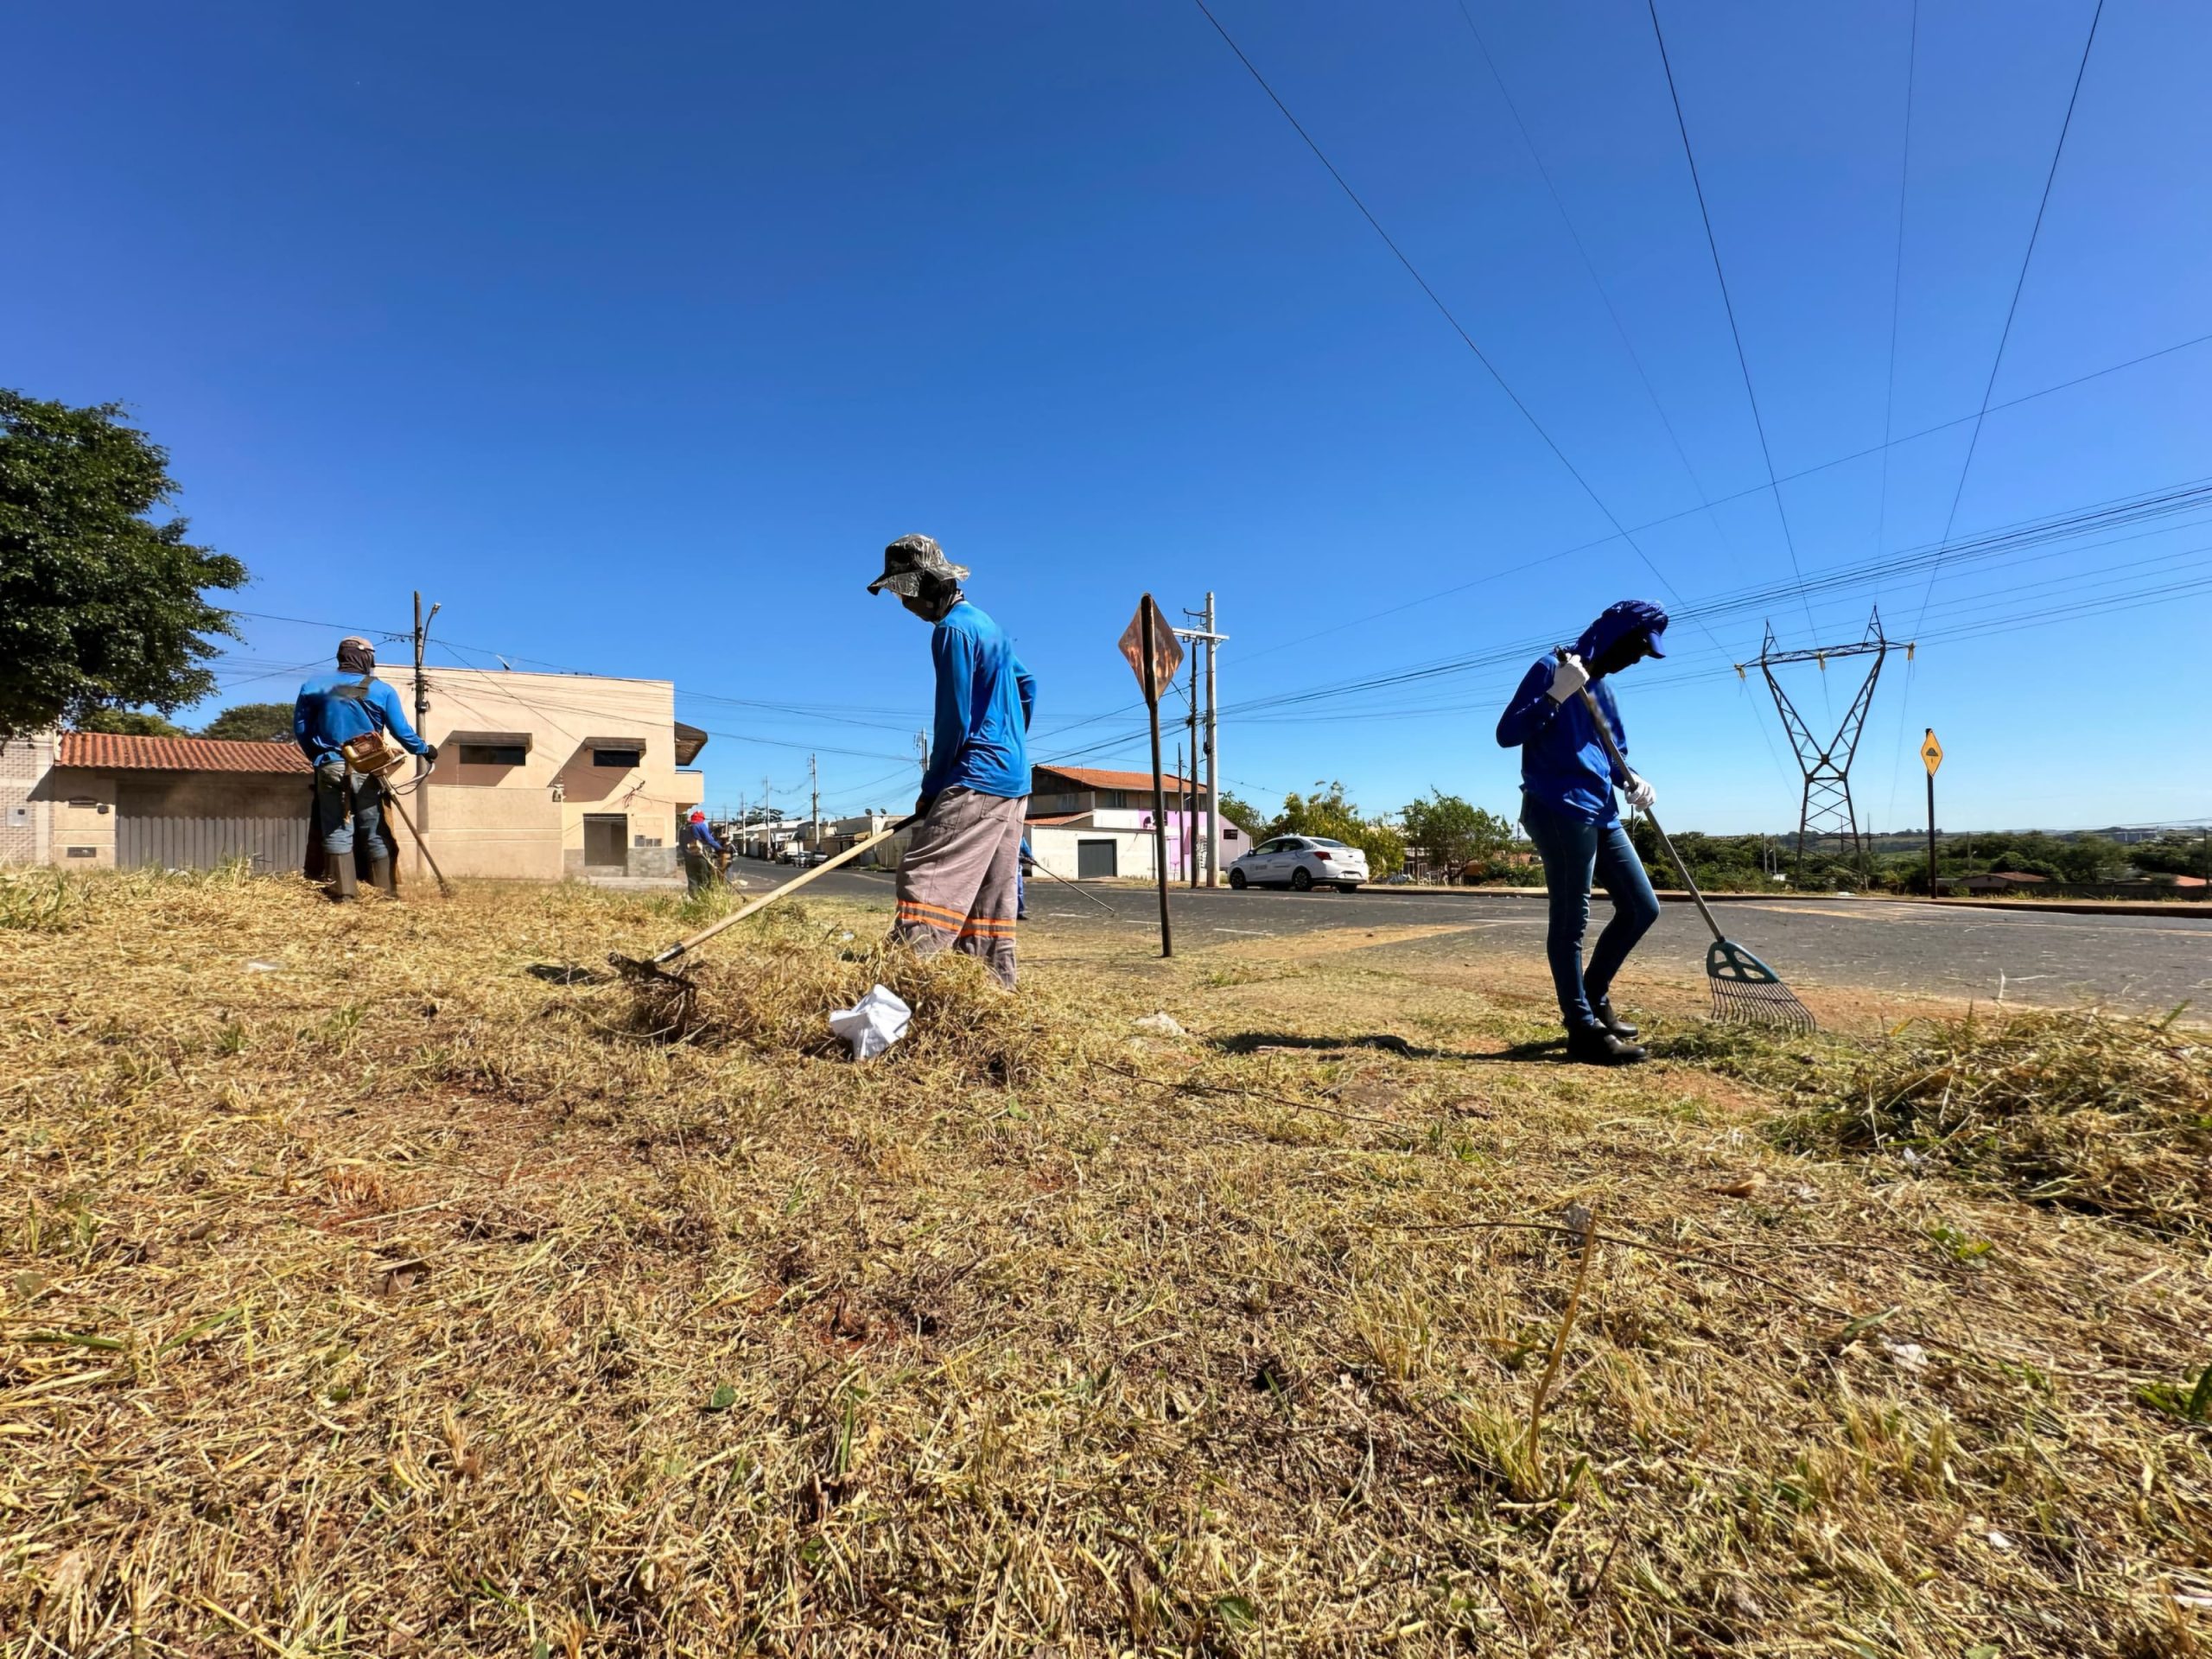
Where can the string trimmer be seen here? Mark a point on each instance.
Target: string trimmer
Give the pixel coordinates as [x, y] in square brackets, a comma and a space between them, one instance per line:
[1745, 988]
[656, 966]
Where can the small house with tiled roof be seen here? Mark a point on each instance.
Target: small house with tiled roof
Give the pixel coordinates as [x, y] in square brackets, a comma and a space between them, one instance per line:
[1104, 820]
[103, 799]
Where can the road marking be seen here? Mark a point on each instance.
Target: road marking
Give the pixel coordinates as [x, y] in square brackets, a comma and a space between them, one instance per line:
[1255, 932]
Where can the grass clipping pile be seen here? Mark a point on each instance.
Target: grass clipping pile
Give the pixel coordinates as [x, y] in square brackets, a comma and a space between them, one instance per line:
[362, 1293]
[772, 988]
[2082, 1110]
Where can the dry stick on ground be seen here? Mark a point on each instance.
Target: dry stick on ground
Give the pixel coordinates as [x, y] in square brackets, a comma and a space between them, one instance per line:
[1588, 1220]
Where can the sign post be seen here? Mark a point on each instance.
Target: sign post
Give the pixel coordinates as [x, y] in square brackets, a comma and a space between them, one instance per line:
[1931, 756]
[1154, 654]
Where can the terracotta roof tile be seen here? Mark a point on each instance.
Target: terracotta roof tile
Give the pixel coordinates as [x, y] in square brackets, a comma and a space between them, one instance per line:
[1088, 777]
[116, 752]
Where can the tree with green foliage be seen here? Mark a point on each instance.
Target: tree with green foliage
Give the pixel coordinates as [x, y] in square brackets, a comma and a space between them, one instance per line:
[1454, 834]
[131, 722]
[1242, 813]
[1327, 812]
[253, 722]
[2174, 853]
[101, 605]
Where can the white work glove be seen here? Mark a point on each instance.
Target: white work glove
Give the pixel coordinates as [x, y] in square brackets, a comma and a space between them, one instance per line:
[1569, 678]
[1640, 794]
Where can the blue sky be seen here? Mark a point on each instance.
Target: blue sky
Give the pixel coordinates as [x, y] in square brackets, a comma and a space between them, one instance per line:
[631, 338]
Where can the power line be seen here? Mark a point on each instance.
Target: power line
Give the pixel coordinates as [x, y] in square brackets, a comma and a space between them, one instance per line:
[2019, 282]
[1890, 392]
[1896, 279]
[2065, 533]
[1723, 500]
[1712, 246]
[1589, 266]
[1435, 299]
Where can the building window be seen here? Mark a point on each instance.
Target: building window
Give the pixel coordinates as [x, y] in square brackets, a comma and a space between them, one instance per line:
[618, 759]
[493, 755]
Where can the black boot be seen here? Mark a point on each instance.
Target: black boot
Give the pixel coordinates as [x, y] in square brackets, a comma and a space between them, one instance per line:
[344, 883]
[1595, 1045]
[1603, 1008]
[380, 879]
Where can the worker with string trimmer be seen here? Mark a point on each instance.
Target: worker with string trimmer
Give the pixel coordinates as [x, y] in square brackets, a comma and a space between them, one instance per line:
[1568, 773]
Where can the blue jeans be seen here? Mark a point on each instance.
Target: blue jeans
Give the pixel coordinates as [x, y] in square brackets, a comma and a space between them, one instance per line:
[1573, 852]
[346, 802]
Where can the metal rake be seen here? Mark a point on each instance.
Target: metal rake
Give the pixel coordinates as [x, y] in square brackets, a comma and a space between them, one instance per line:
[1745, 991]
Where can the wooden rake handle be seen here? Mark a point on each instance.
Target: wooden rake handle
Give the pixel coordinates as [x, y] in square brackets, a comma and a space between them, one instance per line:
[683, 947]
[1613, 750]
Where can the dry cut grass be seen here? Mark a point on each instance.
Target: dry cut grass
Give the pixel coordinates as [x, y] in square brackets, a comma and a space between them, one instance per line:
[364, 1291]
[2081, 1108]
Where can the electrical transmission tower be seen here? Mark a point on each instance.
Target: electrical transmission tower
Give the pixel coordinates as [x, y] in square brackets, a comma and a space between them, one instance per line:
[1827, 808]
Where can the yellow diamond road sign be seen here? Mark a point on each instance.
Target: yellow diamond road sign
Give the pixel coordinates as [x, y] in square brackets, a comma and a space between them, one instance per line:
[1931, 753]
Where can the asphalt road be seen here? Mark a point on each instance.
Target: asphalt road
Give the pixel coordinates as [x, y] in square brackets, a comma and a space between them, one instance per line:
[2135, 961]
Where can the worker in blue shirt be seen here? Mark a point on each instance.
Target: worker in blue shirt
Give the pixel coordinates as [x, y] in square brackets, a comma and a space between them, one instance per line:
[959, 879]
[332, 709]
[1567, 805]
[701, 849]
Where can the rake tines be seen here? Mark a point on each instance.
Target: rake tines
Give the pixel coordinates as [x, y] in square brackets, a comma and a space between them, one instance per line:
[1745, 991]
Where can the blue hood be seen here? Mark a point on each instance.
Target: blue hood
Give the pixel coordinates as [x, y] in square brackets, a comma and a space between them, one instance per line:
[1564, 766]
[1630, 616]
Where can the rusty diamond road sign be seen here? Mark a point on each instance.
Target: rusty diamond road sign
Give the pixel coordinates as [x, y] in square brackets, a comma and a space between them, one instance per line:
[1167, 649]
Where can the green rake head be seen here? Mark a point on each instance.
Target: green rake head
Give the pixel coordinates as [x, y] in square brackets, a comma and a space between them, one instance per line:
[1745, 991]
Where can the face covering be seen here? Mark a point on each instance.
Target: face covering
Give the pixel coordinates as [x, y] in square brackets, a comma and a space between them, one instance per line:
[932, 604]
[1618, 655]
[356, 657]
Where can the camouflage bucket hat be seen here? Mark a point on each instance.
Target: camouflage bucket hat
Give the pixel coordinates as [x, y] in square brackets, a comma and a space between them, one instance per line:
[911, 559]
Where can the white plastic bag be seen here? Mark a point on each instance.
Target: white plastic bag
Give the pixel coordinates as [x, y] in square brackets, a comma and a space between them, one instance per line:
[872, 1024]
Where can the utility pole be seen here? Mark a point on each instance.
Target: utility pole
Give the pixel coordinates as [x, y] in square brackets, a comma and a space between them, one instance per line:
[1213, 757]
[922, 757]
[422, 713]
[1182, 813]
[1190, 782]
[1207, 637]
[422, 691]
[814, 813]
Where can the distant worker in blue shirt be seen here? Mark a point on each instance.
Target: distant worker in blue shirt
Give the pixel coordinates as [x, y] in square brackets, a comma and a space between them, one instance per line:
[332, 709]
[1567, 805]
[701, 849]
[959, 882]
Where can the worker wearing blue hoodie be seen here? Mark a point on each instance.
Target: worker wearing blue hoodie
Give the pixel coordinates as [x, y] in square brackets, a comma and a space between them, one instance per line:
[1567, 805]
[331, 710]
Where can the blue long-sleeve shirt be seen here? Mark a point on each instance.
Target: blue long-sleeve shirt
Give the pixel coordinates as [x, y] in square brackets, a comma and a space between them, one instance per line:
[984, 701]
[334, 706]
[703, 833]
[1563, 762]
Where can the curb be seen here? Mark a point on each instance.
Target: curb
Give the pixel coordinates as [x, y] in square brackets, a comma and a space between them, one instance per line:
[2184, 909]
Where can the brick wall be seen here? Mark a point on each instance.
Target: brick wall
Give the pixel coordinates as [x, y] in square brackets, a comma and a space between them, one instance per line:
[25, 818]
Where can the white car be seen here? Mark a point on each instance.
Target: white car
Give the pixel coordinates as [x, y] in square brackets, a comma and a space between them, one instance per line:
[1301, 861]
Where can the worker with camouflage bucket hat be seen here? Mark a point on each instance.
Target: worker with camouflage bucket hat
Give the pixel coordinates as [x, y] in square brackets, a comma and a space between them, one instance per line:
[959, 880]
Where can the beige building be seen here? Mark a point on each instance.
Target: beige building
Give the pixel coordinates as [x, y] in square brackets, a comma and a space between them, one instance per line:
[539, 777]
